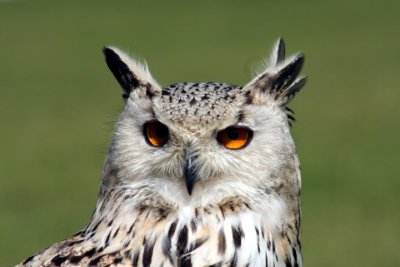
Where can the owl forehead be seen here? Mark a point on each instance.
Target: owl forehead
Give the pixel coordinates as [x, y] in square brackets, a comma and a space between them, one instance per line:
[198, 105]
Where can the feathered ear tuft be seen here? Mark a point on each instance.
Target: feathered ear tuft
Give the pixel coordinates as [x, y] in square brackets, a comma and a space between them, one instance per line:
[278, 53]
[129, 73]
[279, 80]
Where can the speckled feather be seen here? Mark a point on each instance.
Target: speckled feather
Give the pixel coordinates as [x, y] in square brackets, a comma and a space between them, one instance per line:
[245, 207]
[198, 103]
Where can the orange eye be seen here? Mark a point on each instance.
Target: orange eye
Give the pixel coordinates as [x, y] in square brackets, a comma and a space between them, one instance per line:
[156, 133]
[235, 137]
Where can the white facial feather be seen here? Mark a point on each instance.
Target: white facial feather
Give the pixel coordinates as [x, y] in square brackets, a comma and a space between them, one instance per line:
[222, 172]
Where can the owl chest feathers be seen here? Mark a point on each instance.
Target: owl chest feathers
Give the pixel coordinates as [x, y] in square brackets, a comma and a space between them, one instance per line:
[230, 233]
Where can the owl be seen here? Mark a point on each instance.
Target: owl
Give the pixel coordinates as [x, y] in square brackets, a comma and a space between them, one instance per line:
[197, 174]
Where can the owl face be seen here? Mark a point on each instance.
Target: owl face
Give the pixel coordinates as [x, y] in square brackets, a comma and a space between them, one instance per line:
[189, 139]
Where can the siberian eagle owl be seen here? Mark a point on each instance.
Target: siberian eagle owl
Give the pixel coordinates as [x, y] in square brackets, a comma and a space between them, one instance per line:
[197, 174]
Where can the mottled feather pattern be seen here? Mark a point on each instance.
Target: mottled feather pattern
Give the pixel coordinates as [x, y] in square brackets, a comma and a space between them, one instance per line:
[199, 103]
[229, 234]
[193, 201]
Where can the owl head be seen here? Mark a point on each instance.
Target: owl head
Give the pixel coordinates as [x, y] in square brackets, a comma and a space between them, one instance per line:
[202, 142]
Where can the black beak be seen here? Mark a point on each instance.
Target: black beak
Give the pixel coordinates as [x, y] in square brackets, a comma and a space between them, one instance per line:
[190, 173]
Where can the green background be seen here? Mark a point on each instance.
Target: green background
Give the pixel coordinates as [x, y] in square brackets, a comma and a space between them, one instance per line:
[58, 104]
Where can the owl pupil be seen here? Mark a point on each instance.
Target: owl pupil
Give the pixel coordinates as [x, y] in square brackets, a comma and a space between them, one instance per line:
[233, 134]
[161, 131]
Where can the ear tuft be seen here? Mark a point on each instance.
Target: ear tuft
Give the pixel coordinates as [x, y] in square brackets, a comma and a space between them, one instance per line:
[293, 89]
[278, 53]
[129, 73]
[286, 72]
[279, 80]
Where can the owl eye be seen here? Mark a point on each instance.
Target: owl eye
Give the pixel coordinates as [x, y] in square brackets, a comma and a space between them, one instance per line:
[156, 133]
[235, 137]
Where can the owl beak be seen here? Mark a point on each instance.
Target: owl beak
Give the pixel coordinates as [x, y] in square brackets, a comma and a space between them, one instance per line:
[190, 173]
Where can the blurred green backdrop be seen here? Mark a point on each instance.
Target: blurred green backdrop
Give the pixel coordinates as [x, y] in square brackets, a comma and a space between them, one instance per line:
[58, 104]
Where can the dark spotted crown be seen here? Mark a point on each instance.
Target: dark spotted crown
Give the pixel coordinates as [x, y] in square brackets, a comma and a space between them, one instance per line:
[199, 103]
